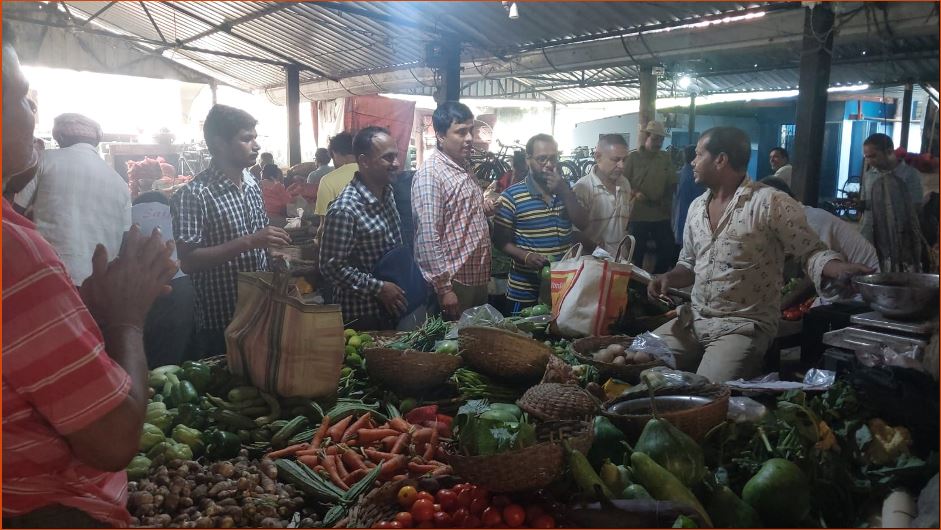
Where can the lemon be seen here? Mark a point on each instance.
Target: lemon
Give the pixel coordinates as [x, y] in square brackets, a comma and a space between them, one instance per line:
[364, 338]
[349, 333]
[354, 341]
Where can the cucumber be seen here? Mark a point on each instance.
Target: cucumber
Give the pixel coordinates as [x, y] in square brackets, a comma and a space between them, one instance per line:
[280, 439]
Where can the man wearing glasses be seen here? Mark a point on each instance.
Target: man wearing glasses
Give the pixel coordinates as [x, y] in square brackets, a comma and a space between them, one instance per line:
[534, 218]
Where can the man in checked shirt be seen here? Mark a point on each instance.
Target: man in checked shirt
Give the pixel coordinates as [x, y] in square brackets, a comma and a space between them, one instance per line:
[452, 243]
[220, 224]
[360, 227]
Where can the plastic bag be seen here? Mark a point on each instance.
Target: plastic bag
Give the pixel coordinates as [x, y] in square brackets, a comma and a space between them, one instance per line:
[888, 356]
[482, 315]
[655, 346]
[745, 410]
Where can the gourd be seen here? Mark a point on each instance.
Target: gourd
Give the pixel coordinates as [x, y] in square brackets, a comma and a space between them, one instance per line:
[671, 448]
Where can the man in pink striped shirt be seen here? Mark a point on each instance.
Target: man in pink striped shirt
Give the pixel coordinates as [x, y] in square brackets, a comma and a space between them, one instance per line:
[452, 243]
[74, 370]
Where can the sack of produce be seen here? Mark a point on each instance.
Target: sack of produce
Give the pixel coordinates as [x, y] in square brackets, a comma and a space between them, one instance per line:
[282, 344]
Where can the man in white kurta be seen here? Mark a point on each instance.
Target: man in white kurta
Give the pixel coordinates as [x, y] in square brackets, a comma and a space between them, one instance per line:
[606, 194]
[735, 241]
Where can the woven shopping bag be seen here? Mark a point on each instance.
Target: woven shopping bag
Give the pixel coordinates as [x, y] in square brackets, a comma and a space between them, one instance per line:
[589, 293]
[284, 345]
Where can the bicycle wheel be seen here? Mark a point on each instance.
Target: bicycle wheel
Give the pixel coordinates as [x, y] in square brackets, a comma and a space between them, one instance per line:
[570, 171]
[585, 166]
[489, 171]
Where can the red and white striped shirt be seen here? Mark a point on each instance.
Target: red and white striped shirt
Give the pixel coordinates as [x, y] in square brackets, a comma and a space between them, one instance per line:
[57, 379]
[453, 238]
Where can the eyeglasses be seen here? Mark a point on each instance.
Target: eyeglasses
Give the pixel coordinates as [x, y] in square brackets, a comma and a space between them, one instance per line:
[545, 159]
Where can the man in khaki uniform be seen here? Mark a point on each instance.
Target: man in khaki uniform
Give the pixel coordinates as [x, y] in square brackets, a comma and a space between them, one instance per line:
[653, 179]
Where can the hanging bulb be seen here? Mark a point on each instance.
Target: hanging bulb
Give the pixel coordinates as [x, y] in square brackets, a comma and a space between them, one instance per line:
[514, 11]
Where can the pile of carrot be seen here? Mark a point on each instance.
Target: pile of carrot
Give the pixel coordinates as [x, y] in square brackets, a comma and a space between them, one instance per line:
[345, 451]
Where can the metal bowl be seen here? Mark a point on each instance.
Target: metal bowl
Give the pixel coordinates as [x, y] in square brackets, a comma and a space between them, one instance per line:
[641, 406]
[902, 295]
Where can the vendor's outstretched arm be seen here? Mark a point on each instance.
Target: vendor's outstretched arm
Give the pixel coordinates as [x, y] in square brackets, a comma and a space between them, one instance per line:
[677, 278]
[194, 258]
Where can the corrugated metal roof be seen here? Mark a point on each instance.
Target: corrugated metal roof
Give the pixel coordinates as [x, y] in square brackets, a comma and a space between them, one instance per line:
[335, 40]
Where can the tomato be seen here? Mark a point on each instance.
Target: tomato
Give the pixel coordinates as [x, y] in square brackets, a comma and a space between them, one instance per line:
[447, 499]
[491, 517]
[514, 515]
[407, 496]
[464, 498]
[422, 510]
[482, 492]
[442, 520]
[425, 495]
[533, 512]
[459, 516]
[395, 524]
[478, 505]
[405, 519]
[500, 501]
[544, 521]
[382, 524]
[472, 522]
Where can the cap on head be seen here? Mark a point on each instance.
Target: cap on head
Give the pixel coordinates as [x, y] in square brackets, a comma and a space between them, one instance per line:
[655, 128]
[71, 128]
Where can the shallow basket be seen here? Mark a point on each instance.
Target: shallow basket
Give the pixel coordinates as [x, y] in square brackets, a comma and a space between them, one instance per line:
[557, 401]
[503, 354]
[695, 421]
[409, 370]
[381, 504]
[530, 468]
[629, 373]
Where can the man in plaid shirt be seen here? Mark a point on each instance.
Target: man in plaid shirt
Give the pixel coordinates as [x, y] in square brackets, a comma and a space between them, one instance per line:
[360, 227]
[452, 243]
[220, 224]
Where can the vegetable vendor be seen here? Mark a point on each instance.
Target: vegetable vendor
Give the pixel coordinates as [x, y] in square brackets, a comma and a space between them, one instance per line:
[534, 220]
[74, 374]
[734, 244]
[361, 226]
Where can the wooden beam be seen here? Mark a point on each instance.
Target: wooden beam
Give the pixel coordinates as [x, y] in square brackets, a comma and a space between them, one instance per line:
[648, 102]
[812, 103]
[906, 116]
[293, 83]
[451, 71]
[691, 125]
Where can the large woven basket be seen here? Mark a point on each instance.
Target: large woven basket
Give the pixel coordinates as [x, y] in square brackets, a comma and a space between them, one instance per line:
[695, 422]
[409, 370]
[530, 468]
[629, 373]
[381, 504]
[557, 401]
[503, 354]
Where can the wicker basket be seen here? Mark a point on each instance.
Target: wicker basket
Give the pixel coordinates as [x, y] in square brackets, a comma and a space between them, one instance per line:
[503, 354]
[381, 504]
[409, 370]
[629, 373]
[695, 422]
[531, 468]
[557, 401]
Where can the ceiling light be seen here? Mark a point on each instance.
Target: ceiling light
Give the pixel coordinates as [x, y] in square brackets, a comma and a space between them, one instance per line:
[848, 88]
[511, 9]
[684, 82]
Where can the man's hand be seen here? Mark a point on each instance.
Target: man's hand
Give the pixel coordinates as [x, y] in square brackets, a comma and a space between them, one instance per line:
[269, 236]
[392, 298]
[121, 292]
[490, 207]
[534, 260]
[450, 305]
[842, 272]
[556, 183]
[657, 288]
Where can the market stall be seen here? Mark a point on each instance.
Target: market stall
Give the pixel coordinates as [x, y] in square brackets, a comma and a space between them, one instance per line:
[494, 422]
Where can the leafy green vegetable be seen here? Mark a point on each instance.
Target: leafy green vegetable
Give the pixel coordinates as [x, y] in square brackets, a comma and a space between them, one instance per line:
[485, 429]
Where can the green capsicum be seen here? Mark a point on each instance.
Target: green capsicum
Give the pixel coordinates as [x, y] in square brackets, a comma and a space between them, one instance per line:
[158, 376]
[189, 436]
[183, 392]
[223, 445]
[159, 450]
[150, 436]
[138, 468]
[158, 415]
[198, 374]
[191, 415]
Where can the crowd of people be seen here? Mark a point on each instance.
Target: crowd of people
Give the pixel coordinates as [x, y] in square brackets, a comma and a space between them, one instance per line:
[83, 287]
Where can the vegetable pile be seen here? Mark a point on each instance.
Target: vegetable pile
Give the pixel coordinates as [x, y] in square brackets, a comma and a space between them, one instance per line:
[618, 354]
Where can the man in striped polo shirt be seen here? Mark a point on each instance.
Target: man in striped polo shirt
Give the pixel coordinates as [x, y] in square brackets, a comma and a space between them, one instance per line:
[534, 218]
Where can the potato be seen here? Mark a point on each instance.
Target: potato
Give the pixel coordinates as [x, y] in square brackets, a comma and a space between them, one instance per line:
[629, 356]
[619, 360]
[618, 349]
[642, 357]
[604, 356]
